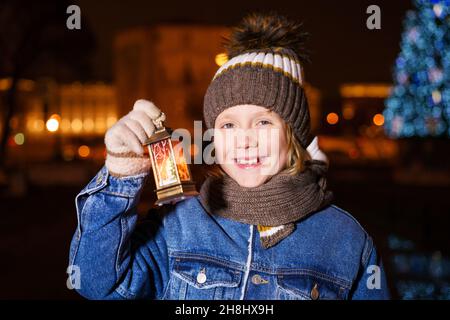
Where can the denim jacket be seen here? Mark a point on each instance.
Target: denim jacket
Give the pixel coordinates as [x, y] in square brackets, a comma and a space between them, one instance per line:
[181, 252]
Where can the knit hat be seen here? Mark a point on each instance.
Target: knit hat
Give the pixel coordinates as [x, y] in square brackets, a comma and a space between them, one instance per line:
[264, 68]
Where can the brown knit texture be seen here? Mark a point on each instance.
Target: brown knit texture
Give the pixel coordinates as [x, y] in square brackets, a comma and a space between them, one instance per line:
[283, 199]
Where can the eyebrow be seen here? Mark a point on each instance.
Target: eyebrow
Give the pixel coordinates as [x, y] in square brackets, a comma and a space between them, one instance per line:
[265, 112]
[256, 114]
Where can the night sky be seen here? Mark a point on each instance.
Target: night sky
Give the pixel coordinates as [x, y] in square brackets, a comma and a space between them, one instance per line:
[342, 48]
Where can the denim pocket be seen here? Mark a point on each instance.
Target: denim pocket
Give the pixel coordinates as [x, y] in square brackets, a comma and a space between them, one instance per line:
[310, 286]
[205, 279]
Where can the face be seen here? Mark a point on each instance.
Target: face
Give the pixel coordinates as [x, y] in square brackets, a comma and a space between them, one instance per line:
[250, 144]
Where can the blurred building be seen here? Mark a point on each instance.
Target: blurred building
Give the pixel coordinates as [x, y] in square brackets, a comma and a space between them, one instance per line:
[355, 133]
[59, 120]
[171, 65]
[362, 108]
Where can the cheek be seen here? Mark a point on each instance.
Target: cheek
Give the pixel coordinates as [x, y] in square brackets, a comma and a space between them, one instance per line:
[283, 150]
[222, 146]
[283, 157]
[279, 151]
[273, 142]
[283, 145]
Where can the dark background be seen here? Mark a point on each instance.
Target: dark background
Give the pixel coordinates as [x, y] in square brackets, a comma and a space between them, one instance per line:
[35, 231]
[342, 48]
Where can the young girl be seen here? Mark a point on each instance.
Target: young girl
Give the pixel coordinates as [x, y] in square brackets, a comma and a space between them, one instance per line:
[263, 228]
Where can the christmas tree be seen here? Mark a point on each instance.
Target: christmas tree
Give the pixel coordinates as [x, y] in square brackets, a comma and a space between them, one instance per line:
[419, 104]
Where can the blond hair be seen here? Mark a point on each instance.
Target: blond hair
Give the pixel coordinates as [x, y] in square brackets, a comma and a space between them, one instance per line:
[297, 155]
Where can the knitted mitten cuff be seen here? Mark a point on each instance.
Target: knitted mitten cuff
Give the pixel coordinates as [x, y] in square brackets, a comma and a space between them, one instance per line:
[126, 164]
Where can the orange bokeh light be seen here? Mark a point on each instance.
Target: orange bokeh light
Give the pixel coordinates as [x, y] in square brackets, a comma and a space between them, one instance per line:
[332, 118]
[84, 151]
[378, 119]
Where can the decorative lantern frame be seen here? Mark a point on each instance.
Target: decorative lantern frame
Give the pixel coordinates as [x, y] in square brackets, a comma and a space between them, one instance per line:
[172, 174]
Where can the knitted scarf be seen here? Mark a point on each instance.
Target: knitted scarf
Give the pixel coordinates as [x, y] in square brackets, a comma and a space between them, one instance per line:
[274, 206]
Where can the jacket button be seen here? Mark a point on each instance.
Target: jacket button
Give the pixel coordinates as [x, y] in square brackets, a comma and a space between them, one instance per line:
[201, 276]
[315, 292]
[256, 279]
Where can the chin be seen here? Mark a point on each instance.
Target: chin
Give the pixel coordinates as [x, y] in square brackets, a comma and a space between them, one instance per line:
[250, 182]
[246, 179]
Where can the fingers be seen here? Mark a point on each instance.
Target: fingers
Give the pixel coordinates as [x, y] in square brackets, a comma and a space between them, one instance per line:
[129, 138]
[111, 141]
[144, 120]
[149, 108]
[137, 129]
[133, 130]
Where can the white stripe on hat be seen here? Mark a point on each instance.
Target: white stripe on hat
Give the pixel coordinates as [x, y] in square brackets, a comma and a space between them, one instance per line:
[287, 65]
[276, 61]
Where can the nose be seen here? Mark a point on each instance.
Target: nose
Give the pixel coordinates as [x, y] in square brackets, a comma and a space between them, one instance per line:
[246, 139]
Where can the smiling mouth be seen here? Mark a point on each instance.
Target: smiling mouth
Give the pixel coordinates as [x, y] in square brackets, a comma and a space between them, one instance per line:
[247, 163]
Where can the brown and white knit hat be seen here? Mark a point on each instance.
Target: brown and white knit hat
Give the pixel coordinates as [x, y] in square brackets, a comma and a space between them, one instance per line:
[264, 68]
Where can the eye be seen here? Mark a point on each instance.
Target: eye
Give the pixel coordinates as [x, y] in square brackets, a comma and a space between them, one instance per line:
[264, 122]
[227, 126]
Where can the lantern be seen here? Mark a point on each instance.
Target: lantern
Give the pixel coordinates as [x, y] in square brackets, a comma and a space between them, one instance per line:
[172, 174]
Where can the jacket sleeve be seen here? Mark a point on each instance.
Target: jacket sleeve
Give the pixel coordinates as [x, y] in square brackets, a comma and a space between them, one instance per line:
[113, 257]
[370, 283]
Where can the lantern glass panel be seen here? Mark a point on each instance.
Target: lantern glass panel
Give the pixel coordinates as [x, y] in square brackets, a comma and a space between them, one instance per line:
[164, 162]
[183, 170]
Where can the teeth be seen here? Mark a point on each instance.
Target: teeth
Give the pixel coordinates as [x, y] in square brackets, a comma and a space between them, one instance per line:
[250, 161]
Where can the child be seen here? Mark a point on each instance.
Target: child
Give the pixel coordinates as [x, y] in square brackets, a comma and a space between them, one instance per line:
[263, 228]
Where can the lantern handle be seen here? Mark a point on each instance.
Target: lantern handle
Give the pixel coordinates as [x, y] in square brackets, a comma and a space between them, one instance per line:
[159, 120]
